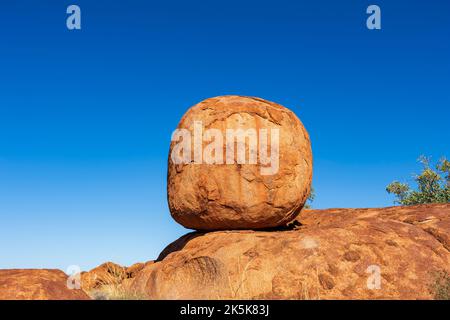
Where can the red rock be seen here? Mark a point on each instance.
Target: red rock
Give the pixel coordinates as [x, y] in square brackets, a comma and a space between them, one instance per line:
[215, 196]
[107, 273]
[331, 255]
[134, 269]
[37, 284]
[138, 284]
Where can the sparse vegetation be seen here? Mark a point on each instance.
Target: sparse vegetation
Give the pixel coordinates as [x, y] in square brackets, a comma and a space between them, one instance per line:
[115, 292]
[440, 288]
[239, 292]
[433, 185]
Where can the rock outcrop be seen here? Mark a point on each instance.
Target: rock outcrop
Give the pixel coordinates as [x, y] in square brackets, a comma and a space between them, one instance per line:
[34, 284]
[387, 253]
[105, 274]
[383, 253]
[112, 281]
[216, 190]
[137, 286]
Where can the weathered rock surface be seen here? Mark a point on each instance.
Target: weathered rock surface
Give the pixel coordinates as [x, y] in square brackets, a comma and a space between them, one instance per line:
[34, 284]
[107, 273]
[112, 281]
[240, 196]
[137, 285]
[133, 270]
[328, 254]
[322, 254]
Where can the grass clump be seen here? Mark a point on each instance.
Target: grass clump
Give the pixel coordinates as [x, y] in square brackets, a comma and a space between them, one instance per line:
[440, 287]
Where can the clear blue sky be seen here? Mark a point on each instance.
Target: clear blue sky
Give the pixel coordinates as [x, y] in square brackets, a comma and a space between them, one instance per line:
[86, 116]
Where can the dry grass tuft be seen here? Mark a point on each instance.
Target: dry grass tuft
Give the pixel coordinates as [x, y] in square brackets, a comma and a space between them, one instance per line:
[440, 288]
[115, 292]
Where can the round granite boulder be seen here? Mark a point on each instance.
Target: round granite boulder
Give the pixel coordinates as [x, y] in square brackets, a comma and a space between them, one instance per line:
[238, 162]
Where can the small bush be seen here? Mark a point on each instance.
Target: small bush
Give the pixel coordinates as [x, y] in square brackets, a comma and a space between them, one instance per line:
[433, 185]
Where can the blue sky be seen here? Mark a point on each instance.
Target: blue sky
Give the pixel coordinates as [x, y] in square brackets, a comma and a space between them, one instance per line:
[86, 116]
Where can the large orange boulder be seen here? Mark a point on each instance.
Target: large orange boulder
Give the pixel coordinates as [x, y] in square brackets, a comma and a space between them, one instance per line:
[385, 253]
[238, 163]
[37, 284]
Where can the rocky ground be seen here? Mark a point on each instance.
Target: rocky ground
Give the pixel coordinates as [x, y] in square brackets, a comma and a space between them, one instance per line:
[34, 284]
[322, 254]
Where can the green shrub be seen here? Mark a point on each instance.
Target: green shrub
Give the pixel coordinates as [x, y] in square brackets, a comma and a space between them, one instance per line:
[433, 185]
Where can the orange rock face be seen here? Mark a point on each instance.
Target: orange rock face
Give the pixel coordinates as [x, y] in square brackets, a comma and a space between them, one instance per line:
[138, 284]
[112, 281]
[105, 274]
[387, 253]
[33, 284]
[216, 188]
[134, 269]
